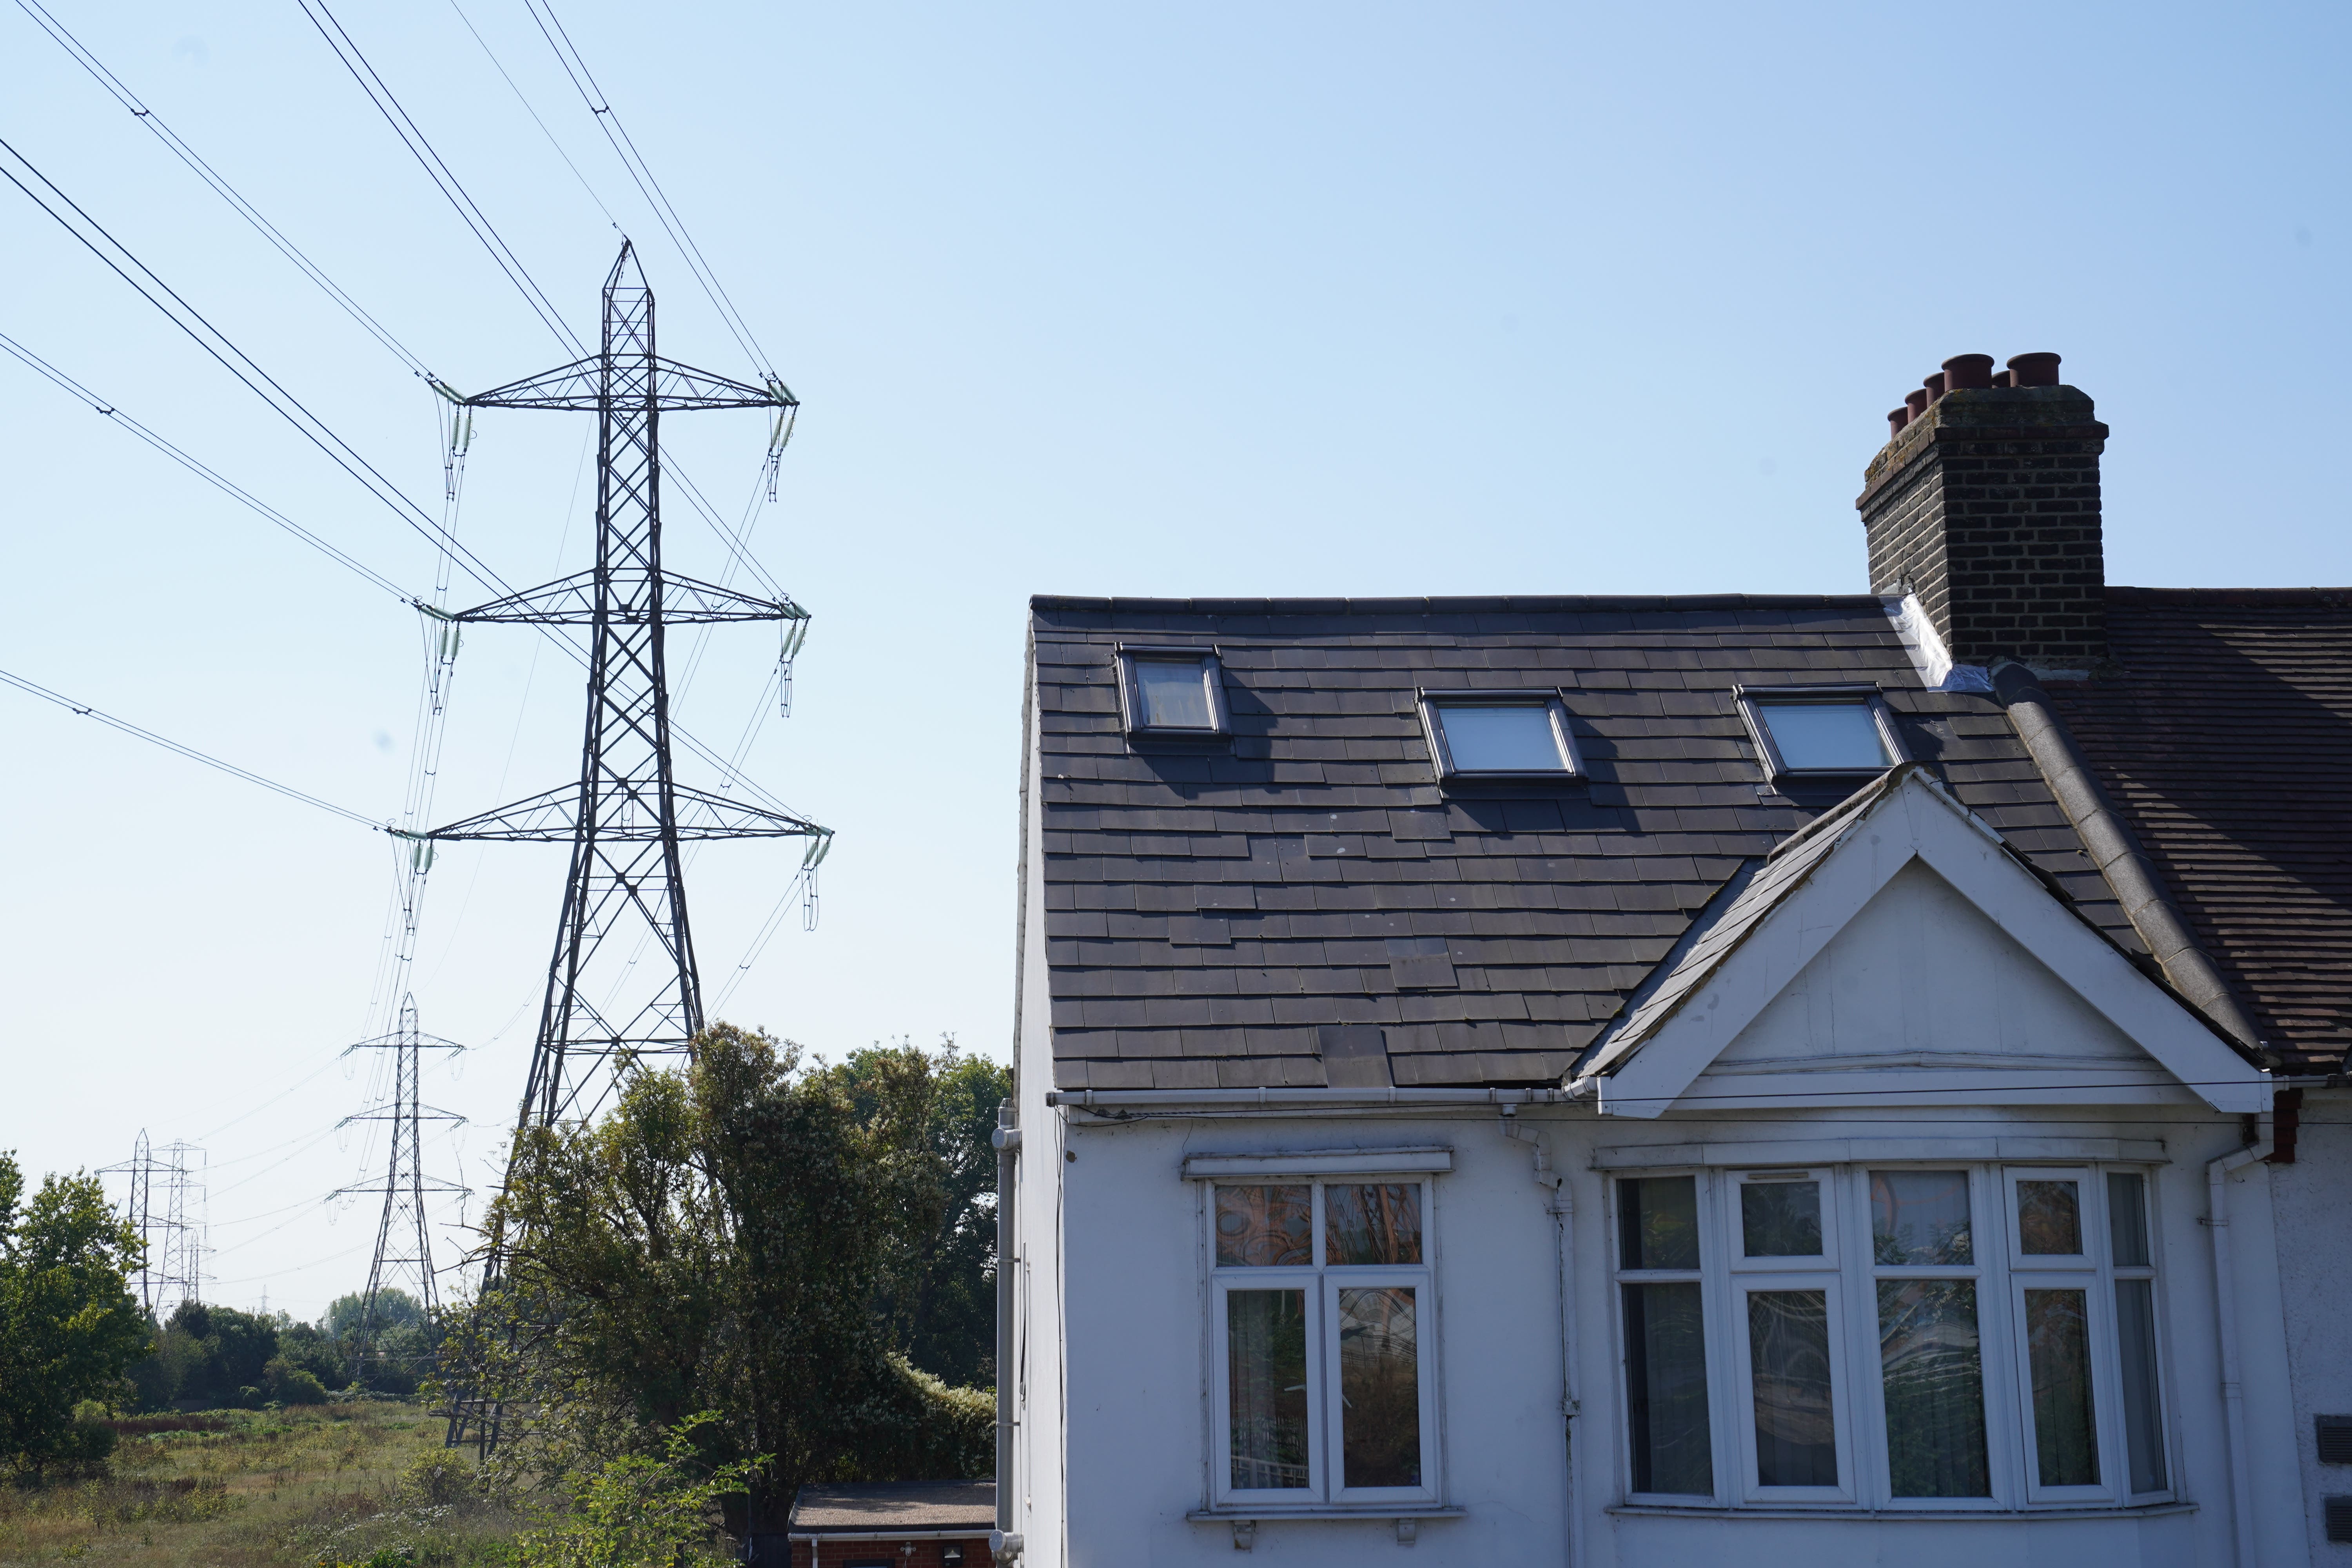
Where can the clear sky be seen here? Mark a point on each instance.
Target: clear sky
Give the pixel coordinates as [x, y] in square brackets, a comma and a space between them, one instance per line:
[1149, 299]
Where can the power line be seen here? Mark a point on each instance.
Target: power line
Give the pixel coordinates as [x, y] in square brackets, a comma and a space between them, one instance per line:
[600, 105]
[212, 177]
[535, 120]
[128, 728]
[437, 171]
[228, 487]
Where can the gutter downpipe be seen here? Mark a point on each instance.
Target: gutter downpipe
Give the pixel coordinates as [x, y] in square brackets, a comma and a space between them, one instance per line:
[1003, 1541]
[1561, 1205]
[2115, 850]
[2233, 1395]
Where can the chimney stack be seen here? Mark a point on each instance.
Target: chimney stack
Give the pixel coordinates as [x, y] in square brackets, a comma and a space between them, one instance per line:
[1984, 506]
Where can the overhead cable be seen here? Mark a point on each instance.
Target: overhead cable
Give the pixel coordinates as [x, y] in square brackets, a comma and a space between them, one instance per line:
[227, 487]
[601, 106]
[211, 176]
[214, 341]
[128, 728]
[438, 171]
[535, 120]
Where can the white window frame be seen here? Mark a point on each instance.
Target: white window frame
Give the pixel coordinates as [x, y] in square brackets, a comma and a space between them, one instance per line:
[1850, 1273]
[1326, 1491]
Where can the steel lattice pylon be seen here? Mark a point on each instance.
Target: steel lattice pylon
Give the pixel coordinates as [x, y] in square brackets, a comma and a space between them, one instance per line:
[404, 1239]
[627, 817]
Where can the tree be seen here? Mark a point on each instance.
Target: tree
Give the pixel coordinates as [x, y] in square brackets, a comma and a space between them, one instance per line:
[939, 1286]
[68, 1326]
[642, 1511]
[718, 1241]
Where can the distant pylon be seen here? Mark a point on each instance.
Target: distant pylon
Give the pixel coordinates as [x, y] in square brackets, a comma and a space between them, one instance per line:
[404, 1238]
[180, 1276]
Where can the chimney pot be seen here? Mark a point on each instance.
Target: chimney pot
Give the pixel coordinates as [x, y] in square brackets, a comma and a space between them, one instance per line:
[2001, 378]
[2034, 370]
[1968, 370]
[1935, 385]
[1916, 403]
[1895, 419]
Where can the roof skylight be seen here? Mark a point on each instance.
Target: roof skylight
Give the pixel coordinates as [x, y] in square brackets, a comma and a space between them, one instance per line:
[1500, 735]
[1172, 693]
[1826, 732]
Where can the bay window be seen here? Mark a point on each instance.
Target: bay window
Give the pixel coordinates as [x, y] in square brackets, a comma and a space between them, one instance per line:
[1322, 1318]
[1961, 1336]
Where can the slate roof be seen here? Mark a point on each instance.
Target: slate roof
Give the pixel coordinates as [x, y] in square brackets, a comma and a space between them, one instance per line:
[2224, 735]
[1208, 915]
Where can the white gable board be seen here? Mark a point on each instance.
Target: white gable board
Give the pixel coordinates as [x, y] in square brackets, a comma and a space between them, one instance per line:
[1918, 962]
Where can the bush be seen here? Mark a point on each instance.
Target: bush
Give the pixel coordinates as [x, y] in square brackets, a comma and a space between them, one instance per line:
[439, 1479]
[291, 1385]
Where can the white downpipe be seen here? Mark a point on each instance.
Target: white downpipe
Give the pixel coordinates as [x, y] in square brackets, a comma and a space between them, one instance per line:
[2225, 1299]
[1561, 1205]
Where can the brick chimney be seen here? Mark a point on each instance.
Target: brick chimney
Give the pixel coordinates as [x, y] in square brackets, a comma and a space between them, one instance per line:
[1984, 507]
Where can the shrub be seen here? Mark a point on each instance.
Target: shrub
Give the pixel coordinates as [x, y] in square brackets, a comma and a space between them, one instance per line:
[291, 1385]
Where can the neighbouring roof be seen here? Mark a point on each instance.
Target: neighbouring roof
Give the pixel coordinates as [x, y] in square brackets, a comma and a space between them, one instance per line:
[897, 1505]
[1207, 915]
[2224, 735]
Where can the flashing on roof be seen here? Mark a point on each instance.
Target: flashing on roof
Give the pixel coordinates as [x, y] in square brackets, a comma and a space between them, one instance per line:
[1173, 694]
[1828, 733]
[1499, 737]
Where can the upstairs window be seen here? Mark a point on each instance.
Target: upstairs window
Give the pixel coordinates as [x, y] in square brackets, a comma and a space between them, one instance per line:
[1324, 1392]
[1506, 736]
[1829, 732]
[1172, 693]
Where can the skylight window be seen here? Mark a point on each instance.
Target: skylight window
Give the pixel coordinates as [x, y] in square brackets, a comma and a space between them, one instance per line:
[1175, 693]
[1500, 735]
[1821, 731]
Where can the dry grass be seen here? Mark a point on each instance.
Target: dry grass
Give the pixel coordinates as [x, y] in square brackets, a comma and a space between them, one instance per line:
[292, 1488]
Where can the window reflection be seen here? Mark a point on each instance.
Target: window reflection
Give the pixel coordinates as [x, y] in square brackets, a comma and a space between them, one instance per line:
[1780, 1219]
[1657, 1221]
[1496, 737]
[1264, 1227]
[1919, 1218]
[1379, 1387]
[1175, 696]
[1665, 1377]
[1932, 1370]
[1796, 1426]
[2049, 1218]
[1840, 736]
[2058, 1355]
[1375, 1224]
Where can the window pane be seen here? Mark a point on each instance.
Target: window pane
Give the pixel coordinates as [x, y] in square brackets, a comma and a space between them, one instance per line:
[1934, 1375]
[2049, 1219]
[1380, 1388]
[1665, 1390]
[1824, 734]
[2127, 1218]
[1657, 1221]
[2058, 1353]
[1780, 1219]
[1175, 696]
[1919, 1218]
[1265, 1350]
[1501, 740]
[1264, 1227]
[2143, 1414]
[1788, 1350]
[1372, 1224]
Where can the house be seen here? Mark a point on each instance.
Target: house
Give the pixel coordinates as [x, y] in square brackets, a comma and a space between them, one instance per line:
[1832, 1078]
[884, 1525]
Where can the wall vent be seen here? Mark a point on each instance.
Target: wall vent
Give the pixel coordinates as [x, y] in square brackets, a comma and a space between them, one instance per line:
[2335, 1439]
[2339, 1519]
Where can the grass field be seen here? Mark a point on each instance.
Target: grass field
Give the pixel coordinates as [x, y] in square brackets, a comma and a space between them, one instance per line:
[303, 1486]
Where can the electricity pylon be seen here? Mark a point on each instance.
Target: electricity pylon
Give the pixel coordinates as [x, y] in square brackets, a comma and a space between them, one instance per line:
[404, 1240]
[627, 817]
[166, 1206]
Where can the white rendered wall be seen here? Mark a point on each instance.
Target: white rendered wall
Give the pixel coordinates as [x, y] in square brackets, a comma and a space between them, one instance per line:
[2312, 1203]
[1134, 1449]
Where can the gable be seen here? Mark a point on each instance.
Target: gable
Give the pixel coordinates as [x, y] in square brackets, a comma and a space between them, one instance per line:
[1916, 962]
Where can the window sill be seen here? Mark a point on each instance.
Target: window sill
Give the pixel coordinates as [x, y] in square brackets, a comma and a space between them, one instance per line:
[1226, 1513]
[1900, 1515]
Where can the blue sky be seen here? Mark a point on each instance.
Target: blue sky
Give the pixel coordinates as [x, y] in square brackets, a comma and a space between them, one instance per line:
[1366, 300]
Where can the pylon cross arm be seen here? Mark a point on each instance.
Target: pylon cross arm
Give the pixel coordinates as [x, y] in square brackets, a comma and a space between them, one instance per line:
[673, 388]
[685, 601]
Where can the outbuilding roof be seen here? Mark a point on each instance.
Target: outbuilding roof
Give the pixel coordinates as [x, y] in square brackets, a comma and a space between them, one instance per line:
[1223, 919]
[896, 1505]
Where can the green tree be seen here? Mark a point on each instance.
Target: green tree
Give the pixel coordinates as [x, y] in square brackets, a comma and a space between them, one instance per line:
[642, 1510]
[718, 1241]
[68, 1326]
[938, 1291]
